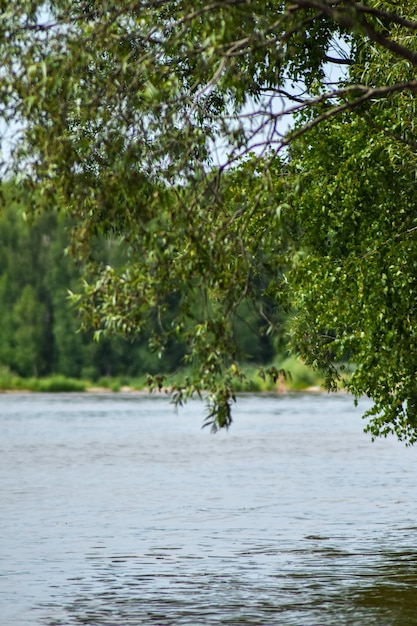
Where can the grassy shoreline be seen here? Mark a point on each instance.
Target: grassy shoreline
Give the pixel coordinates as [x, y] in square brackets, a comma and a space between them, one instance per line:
[299, 378]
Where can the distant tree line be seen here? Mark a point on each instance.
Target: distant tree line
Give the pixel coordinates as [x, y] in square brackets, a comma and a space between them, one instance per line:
[40, 328]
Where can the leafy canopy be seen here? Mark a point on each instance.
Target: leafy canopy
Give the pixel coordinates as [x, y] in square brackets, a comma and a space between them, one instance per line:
[165, 125]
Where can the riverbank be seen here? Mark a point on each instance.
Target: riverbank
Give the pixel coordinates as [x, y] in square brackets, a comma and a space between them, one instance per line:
[293, 375]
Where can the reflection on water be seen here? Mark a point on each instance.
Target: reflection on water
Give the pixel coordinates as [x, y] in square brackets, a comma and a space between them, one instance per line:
[127, 590]
[115, 511]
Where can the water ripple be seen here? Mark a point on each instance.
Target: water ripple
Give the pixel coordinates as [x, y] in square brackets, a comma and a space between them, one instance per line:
[117, 512]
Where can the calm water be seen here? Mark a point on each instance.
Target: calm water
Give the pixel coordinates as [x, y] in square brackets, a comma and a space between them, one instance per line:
[115, 511]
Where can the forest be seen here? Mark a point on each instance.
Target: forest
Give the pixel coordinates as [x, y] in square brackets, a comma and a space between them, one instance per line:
[40, 332]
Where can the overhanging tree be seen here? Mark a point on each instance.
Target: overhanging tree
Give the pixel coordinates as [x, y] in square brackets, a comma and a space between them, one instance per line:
[121, 111]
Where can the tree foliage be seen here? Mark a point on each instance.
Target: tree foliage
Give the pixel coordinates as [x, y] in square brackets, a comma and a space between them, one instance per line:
[165, 124]
[39, 333]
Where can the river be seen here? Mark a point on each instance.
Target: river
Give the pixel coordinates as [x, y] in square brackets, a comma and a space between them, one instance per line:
[116, 511]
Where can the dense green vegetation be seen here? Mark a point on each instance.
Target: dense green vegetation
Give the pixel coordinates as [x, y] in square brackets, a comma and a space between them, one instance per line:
[307, 232]
[40, 330]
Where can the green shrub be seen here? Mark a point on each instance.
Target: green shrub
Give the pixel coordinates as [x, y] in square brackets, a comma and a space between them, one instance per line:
[300, 375]
[59, 384]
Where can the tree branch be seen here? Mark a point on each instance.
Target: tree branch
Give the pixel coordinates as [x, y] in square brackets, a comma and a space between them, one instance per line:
[371, 93]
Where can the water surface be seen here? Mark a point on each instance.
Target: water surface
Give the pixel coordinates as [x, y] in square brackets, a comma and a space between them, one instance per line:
[117, 511]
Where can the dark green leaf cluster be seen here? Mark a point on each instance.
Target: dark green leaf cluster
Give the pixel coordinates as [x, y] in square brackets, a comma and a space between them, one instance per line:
[355, 286]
